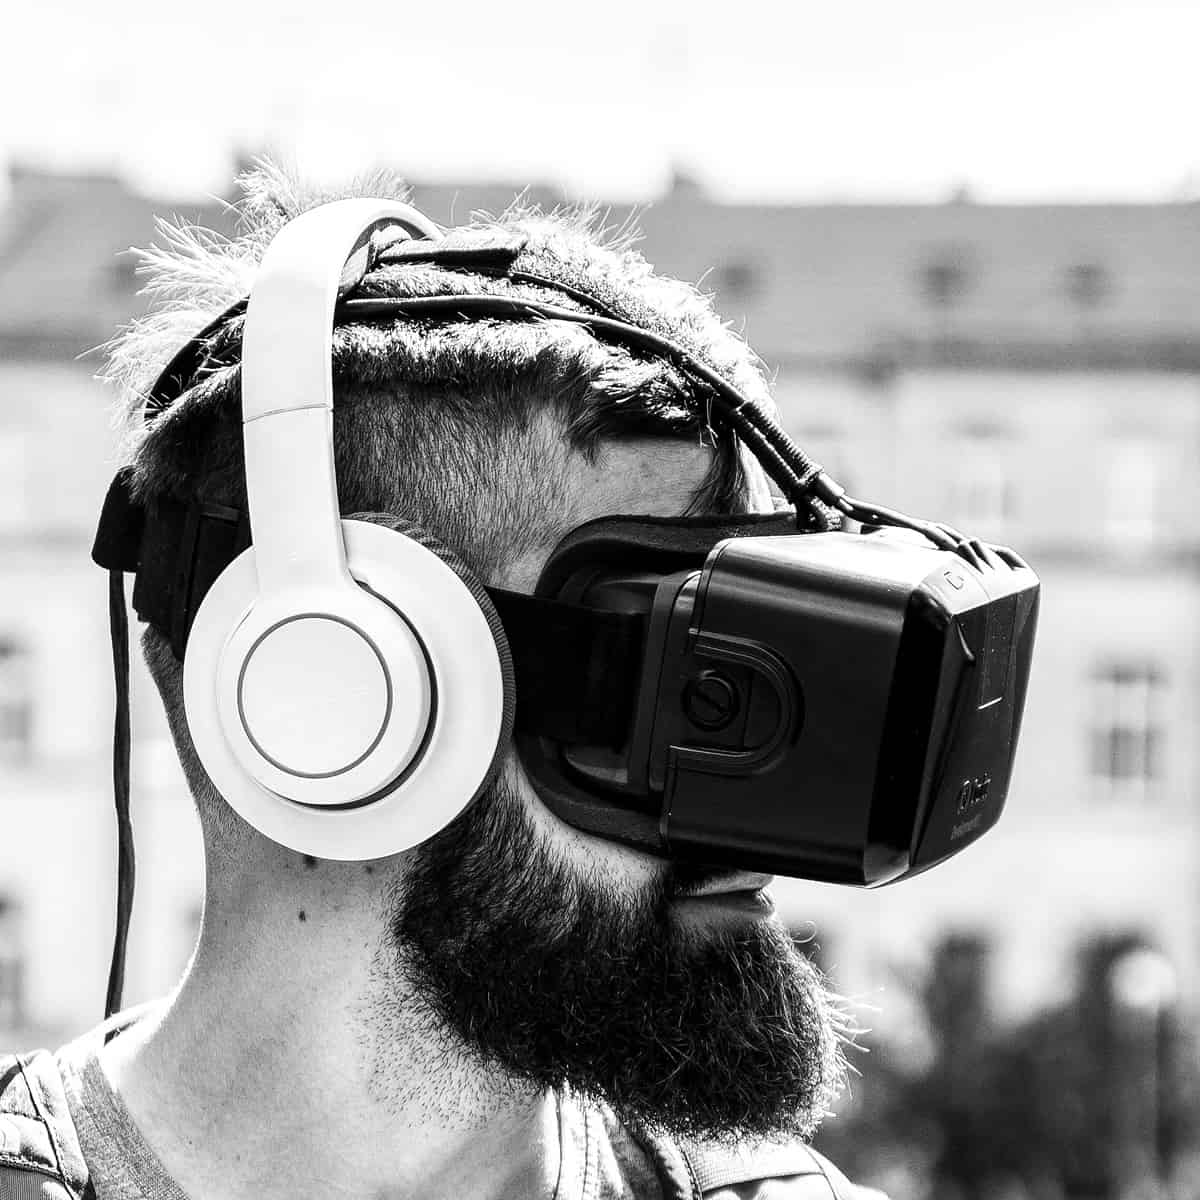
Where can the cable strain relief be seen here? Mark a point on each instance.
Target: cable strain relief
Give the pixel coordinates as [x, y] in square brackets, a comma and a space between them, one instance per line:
[823, 486]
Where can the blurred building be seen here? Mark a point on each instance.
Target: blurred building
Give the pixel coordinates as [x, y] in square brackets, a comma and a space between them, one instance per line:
[1029, 373]
[65, 288]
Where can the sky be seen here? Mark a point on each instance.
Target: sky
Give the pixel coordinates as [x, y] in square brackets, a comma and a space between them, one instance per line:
[762, 100]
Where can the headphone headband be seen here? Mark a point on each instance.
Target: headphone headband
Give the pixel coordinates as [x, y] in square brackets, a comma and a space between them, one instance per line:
[287, 389]
[343, 687]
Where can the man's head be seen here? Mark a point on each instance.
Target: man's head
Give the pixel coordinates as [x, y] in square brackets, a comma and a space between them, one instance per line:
[552, 957]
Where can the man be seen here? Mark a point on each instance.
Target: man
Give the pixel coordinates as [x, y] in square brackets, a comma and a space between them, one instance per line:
[513, 1008]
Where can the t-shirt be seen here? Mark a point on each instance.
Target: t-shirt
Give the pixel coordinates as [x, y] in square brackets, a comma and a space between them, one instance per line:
[599, 1158]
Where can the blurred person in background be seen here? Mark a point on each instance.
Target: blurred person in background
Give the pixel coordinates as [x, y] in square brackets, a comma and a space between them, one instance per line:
[514, 1008]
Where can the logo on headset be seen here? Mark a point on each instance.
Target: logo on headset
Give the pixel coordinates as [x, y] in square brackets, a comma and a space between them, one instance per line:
[972, 794]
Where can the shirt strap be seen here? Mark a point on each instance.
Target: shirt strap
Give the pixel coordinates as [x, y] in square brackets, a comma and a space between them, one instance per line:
[39, 1149]
[813, 1176]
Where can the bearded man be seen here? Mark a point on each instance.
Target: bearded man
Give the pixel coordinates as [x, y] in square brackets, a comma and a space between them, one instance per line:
[513, 1008]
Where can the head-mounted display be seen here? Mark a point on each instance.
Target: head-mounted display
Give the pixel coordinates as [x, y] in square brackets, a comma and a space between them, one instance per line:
[760, 692]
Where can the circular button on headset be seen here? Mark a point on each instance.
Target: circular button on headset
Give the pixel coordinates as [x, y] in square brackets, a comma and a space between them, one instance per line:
[304, 657]
[710, 700]
[324, 708]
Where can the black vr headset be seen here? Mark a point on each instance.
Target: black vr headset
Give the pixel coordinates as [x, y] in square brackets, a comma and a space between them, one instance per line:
[762, 692]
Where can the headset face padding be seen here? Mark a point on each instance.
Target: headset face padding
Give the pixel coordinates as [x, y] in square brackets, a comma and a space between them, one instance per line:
[347, 688]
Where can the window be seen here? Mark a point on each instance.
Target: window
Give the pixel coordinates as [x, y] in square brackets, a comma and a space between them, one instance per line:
[16, 489]
[1127, 729]
[946, 277]
[1087, 284]
[12, 965]
[738, 280]
[983, 494]
[982, 498]
[16, 701]
[122, 274]
[1132, 484]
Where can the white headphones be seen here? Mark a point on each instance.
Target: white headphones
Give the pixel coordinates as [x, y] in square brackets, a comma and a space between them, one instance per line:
[348, 688]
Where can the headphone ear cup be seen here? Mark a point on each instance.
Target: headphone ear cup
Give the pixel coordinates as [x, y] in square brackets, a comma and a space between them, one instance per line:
[401, 576]
[421, 535]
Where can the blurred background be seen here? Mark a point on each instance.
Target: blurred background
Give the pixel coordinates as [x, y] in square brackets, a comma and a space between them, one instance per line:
[966, 238]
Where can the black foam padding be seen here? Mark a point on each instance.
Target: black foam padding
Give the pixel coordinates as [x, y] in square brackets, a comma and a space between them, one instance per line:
[177, 551]
[118, 542]
[495, 252]
[657, 543]
[577, 668]
[179, 374]
[422, 536]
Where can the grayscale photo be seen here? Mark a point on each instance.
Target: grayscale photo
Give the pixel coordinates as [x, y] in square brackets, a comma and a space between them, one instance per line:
[600, 604]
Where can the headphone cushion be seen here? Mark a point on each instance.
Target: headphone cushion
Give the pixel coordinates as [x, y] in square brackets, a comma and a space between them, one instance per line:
[475, 585]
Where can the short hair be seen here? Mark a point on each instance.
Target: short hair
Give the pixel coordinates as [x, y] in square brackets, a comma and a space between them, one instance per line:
[448, 424]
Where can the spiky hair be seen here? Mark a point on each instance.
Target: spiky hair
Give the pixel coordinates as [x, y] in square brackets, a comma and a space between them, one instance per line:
[192, 274]
[461, 427]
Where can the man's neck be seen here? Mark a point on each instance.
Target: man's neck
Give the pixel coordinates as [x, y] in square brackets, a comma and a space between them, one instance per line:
[259, 1078]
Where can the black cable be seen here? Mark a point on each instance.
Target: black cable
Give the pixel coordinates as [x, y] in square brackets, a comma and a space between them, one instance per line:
[809, 477]
[873, 514]
[740, 411]
[801, 479]
[119, 629]
[797, 474]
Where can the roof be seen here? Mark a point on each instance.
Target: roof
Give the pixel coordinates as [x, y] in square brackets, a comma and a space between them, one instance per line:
[1033, 284]
[843, 281]
[65, 282]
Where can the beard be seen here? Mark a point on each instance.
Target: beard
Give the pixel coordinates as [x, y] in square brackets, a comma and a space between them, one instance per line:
[539, 967]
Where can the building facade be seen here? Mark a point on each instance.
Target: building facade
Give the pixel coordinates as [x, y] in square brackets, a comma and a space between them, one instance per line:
[1030, 374]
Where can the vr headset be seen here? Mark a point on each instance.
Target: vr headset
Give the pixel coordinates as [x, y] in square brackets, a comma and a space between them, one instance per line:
[764, 692]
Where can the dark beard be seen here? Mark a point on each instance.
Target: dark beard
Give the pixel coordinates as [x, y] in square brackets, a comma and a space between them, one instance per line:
[542, 971]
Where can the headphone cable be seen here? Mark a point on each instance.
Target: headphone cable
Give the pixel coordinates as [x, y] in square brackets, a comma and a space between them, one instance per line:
[119, 628]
